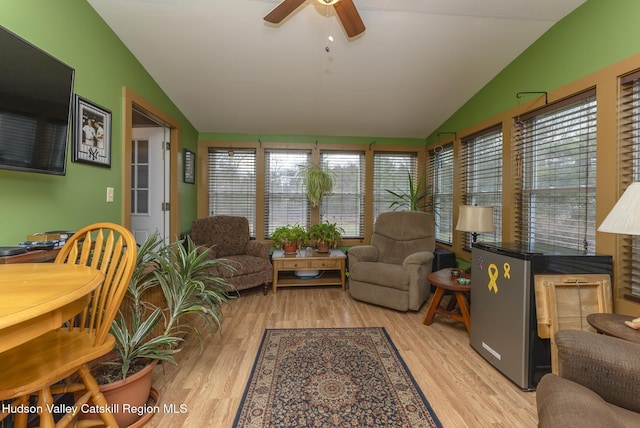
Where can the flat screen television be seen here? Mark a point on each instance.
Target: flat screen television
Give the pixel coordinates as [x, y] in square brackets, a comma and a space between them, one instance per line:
[36, 93]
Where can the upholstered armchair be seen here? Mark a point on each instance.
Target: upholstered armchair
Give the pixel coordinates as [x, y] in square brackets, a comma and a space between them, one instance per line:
[228, 237]
[392, 271]
[598, 383]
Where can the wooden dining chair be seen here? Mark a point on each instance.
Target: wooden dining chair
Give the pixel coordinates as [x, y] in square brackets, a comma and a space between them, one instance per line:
[33, 367]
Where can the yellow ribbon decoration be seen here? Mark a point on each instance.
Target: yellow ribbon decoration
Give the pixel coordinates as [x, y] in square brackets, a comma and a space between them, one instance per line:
[493, 276]
[507, 270]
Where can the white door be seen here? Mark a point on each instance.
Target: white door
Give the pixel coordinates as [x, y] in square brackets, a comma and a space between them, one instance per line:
[150, 174]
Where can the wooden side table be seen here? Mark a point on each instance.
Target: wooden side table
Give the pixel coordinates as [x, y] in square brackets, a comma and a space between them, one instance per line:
[332, 265]
[613, 325]
[35, 256]
[443, 281]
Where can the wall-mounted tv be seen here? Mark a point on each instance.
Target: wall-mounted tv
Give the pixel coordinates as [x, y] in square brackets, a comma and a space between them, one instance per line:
[36, 92]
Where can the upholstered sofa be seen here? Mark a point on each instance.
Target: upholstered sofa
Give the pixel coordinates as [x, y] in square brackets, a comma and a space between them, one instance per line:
[392, 271]
[228, 237]
[598, 383]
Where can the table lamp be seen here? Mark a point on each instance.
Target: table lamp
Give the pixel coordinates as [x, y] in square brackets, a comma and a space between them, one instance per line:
[623, 217]
[475, 219]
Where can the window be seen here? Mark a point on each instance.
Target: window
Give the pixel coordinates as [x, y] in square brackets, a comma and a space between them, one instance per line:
[140, 177]
[481, 177]
[629, 171]
[284, 194]
[440, 179]
[232, 184]
[345, 204]
[391, 171]
[555, 165]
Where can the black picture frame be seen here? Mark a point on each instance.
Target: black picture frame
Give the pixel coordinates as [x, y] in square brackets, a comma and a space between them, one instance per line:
[189, 158]
[91, 133]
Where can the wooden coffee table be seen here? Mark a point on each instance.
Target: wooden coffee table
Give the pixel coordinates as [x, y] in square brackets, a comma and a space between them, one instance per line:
[332, 266]
[613, 325]
[443, 281]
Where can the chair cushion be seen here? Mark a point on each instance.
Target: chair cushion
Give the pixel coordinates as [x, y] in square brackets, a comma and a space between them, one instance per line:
[398, 234]
[563, 403]
[244, 265]
[384, 274]
[227, 235]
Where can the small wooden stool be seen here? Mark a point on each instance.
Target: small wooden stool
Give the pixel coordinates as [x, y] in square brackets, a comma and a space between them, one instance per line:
[443, 281]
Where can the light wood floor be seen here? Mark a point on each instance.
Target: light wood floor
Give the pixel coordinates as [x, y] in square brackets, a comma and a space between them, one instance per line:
[462, 388]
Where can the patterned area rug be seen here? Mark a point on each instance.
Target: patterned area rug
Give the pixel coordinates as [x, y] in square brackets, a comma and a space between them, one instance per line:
[334, 377]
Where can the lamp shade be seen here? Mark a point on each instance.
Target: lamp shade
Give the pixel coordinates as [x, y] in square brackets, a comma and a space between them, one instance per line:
[624, 217]
[473, 218]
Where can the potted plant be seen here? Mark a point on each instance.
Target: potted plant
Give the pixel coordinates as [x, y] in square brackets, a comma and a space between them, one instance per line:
[318, 181]
[326, 235]
[417, 198]
[289, 237]
[147, 331]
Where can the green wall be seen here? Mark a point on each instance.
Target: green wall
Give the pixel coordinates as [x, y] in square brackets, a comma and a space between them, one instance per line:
[73, 32]
[595, 35]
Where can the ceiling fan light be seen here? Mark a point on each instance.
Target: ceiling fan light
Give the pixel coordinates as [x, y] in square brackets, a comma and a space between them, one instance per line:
[328, 2]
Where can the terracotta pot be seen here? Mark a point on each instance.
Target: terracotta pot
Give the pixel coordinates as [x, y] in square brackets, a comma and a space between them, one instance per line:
[322, 247]
[134, 391]
[289, 247]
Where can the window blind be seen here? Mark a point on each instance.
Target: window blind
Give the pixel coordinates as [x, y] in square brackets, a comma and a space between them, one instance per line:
[555, 164]
[629, 172]
[285, 198]
[345, 204]
[232, 184]
[390, 171]
[481, 177]
[440, 178]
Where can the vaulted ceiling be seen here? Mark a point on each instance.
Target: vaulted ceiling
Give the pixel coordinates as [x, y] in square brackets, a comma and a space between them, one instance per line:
[418, 61]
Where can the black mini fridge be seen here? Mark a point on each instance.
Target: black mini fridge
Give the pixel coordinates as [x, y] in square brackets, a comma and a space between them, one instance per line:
[504, 327]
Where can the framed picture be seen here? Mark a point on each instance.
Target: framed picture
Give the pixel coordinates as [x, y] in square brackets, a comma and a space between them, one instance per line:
[91, 133]
[189, 167]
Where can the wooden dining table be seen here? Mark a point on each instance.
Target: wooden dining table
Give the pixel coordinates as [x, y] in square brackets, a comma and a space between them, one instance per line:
[39, 297]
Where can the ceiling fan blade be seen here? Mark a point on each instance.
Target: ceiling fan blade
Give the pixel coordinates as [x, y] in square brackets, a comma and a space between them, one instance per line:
[349, 17]
[283, 10]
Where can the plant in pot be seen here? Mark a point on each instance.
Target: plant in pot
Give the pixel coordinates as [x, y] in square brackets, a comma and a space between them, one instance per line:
[150, 329]
[289, 237]
[326, 235]
[318, 181]
[416, 198]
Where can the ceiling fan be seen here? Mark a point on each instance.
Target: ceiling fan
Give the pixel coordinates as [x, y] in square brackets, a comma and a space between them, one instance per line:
[345, 9]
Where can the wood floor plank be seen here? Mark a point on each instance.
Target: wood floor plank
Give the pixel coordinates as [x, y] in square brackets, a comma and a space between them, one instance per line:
[462, 388]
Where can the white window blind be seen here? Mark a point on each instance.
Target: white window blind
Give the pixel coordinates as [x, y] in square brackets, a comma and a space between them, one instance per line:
[440, 178]
[555, 164]
[629, 172]
[232, 184]
[391, 171]
[345, 204]
[285, 198]
[481, 177]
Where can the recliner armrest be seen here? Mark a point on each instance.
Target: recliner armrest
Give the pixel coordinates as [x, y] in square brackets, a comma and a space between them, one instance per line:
[606, 365]
[258, 249]
[363, 253]
[419, 258]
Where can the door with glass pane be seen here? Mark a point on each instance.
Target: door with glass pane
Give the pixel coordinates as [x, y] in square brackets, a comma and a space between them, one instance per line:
[150, 173]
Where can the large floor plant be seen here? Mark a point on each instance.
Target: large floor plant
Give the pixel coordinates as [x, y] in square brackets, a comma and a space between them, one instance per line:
[192, 302]
[175, 290]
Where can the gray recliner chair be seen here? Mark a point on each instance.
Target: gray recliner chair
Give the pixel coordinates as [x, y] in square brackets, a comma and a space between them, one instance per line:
[597, 385]
[392, 271]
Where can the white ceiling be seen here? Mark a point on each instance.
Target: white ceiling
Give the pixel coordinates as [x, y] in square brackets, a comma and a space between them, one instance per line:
[418, 61]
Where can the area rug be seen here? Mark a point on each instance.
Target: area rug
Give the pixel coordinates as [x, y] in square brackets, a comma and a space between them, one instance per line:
[332, 377]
